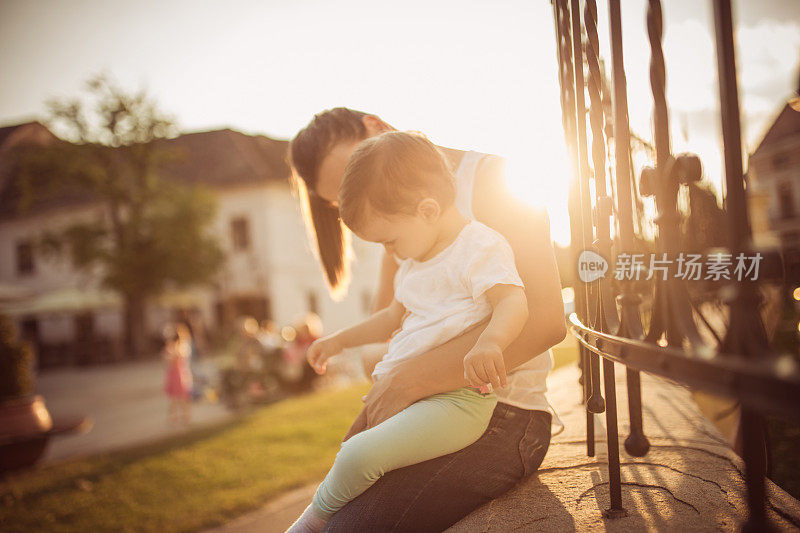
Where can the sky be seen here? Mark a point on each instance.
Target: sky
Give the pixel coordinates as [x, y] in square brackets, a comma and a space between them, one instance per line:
[470, 74]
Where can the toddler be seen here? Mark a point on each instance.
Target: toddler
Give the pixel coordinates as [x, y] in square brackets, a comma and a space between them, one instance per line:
[398, 190]
[178, 380]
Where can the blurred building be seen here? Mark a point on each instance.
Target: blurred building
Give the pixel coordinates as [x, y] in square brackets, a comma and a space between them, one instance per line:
[270, 271]
[774, 182]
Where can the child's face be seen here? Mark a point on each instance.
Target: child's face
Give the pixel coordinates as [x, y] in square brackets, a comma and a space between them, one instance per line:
[405, 236]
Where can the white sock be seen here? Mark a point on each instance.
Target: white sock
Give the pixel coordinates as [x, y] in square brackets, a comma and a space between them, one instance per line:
[309, 522]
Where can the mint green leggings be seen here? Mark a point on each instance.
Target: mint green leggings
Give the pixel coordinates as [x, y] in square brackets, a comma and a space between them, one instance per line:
[432, 427]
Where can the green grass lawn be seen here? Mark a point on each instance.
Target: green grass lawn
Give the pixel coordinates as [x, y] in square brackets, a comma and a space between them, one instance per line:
[195, 480]
[188, 482]
[566, 352]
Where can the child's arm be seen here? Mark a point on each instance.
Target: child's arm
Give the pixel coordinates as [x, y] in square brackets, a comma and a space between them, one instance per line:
[484, 362]
[377, 328]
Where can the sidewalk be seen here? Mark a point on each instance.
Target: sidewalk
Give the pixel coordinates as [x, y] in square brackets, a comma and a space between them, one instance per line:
[126, 403]
[689, 481]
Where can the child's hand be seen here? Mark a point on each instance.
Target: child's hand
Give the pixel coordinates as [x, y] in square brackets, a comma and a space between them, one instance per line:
[484, 364]
[322, 350]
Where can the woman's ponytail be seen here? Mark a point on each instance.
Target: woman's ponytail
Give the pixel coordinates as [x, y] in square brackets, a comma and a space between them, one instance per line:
[328, 235]
[329, 239]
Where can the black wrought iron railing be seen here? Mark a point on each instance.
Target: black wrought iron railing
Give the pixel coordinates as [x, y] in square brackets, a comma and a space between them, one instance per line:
[665, 326]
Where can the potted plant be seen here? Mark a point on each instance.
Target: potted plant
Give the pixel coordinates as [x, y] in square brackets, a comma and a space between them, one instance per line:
[25, 423]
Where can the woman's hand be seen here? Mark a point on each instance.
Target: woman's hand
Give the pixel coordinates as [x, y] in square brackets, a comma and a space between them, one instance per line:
[359, 425]
[439, 370]
[484, 364]
[323, 349]
[388, 396]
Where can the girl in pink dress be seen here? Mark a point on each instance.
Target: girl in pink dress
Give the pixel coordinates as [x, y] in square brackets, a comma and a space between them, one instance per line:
[178, 380]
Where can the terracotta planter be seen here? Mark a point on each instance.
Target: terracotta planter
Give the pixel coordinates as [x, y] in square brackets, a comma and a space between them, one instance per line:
[24, 416]
[25, 426]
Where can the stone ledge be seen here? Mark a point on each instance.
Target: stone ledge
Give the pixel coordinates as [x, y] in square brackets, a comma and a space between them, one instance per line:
[690, 480]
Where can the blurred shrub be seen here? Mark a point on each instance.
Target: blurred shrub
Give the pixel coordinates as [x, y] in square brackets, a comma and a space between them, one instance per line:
[15, 361]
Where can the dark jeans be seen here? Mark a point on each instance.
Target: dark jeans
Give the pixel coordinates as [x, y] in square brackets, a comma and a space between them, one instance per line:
[434, 495]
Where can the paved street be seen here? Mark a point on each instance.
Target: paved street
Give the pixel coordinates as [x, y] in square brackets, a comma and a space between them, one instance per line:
[125, 401]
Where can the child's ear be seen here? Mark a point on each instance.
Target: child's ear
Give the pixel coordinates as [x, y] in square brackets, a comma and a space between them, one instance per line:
[429, 209]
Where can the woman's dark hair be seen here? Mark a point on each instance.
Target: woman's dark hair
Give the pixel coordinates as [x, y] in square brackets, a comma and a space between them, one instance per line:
[325, 227]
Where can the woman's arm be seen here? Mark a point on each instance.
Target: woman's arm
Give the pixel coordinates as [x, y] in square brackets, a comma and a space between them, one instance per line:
[441, 369]
[438, 370]
[371, 355]
[385, 292]
[527, 230]
[484, 362]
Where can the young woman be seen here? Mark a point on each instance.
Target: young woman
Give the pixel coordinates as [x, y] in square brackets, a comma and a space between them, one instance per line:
[433, 495]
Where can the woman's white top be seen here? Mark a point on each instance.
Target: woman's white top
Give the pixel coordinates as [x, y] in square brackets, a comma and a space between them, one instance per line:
[527, 384]
[446, 295]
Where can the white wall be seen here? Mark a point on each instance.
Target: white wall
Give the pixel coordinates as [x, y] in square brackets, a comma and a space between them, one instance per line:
[48, 274]
[57, 328]
[282, 255]
[767, 179]
[279, 265]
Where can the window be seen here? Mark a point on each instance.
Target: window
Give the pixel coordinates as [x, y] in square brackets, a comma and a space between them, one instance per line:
[240, 229]
[29, 330]
[791, 237]
[25, 264]
[84, 327]
[786, 200]
[780, 161]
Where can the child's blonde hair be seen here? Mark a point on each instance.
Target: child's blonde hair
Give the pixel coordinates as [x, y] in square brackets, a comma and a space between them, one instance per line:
[391, 173]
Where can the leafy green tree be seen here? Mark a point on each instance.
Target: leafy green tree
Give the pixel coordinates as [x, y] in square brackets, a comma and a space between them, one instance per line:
[152, 233]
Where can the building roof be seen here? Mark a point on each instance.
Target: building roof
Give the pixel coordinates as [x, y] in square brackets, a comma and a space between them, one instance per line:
[12, 138]
[227, 157]
[6, 131]
[221, 158]
[786, 125]
[28, 133]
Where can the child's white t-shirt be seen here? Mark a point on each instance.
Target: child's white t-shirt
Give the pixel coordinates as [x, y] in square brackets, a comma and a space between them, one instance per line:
[445, 295]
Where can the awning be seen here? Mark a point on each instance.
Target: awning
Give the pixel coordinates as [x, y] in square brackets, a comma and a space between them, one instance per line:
[76, 300]
[65, 300]
[13, 293]
[185, 299]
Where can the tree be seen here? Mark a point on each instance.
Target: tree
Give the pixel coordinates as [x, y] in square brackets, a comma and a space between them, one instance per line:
[153, 232]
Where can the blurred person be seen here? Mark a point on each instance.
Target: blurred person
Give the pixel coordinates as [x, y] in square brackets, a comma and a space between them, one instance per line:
[272, 352]
[198, 380]
[248, 350]
[433, 495]
[268, 336]
[453, 275]
[178, 378]
[297, 374]
[268, 333]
